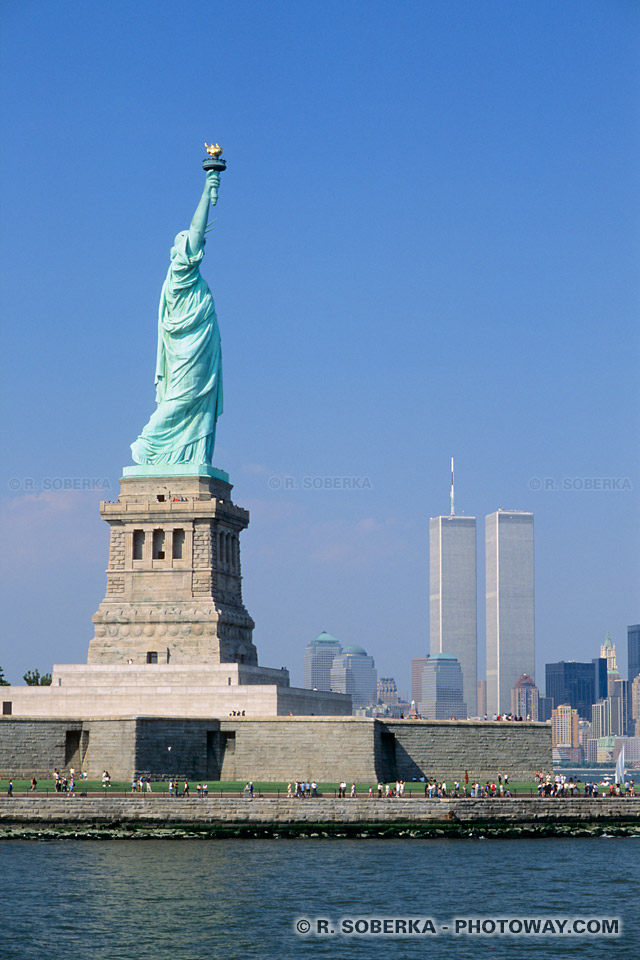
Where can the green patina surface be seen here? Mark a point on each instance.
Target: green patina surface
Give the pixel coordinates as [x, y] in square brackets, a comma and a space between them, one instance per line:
[188, 379]
[175, 470]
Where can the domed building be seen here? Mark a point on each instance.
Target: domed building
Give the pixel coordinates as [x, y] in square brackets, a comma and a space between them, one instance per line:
[354, 672]
[318, 660]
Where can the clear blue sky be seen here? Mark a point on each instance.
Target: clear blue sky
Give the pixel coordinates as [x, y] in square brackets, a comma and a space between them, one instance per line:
[426, 244]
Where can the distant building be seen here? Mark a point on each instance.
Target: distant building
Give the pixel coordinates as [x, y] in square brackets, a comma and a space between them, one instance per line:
[417, 666]
[387, 691]
[564, 733]
[482, 698]
[633, 652]
[442, 689]
[353, 671]
[510, 604]
[545, 707]
[620, 712]
[590, 750]
[601, 689]
[606, 746]
[524, 698]
[608, 651]
[631, 750]
[601, 719]
[318, 660]
[585, 734]
[635, 704]
[453, 596]
[389, 703]
[573, 683]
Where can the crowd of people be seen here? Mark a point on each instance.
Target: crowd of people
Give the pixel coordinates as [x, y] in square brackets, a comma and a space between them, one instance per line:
[561, 786]
[202, 789]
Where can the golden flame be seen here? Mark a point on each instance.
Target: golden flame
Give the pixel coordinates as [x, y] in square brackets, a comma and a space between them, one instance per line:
[214, 149]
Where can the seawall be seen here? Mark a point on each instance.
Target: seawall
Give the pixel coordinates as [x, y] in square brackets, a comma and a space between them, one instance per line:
[140, 816]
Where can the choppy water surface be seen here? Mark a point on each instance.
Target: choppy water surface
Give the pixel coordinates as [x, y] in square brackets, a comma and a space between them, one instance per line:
[173, 900]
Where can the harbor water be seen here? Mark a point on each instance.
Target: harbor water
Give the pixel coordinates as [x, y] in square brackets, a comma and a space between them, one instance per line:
[175, 899]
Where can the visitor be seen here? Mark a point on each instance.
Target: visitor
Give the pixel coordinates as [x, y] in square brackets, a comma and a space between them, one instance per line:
[10, 788]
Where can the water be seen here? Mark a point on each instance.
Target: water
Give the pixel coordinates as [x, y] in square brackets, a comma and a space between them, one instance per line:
[173, 900]
[594, 774]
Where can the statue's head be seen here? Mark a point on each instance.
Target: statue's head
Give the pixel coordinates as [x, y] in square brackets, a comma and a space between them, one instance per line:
[178, 242]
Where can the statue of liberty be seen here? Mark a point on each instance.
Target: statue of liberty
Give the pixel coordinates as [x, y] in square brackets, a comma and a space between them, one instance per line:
[188, 380]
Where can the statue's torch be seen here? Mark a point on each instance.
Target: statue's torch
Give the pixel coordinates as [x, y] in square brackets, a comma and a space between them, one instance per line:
[214, 162]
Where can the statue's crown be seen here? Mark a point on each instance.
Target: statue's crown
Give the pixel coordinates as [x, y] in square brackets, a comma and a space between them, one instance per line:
[213, 149]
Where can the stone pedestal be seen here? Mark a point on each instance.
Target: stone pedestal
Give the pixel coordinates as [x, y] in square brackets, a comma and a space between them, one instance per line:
[174, 584]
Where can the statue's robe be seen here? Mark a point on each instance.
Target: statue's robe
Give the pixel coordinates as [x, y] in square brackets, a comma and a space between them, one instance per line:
[189, 368]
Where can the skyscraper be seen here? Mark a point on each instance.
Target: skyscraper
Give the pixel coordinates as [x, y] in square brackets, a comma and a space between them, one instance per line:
[601, 682]
[574, 683]
[442, 685]
[633, 651]
[635, 705]
[564, 733]
[452, 596]
[601, 719]
[417, 666]
[608, 651]
[318, 660]
[524, 698]
[481, 706]
[353, 671]
[620, 707]
[510, 604]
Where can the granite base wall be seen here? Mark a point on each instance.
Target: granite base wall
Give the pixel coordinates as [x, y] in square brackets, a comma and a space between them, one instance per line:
[446, 748]
[274, 748]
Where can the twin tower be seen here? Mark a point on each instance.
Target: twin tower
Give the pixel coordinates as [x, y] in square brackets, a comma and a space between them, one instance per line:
[509, 582]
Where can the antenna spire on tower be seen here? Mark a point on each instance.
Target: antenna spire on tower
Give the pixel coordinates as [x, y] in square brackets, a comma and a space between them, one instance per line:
[453, 509]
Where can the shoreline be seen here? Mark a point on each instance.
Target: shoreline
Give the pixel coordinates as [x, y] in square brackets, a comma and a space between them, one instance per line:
[148, 817]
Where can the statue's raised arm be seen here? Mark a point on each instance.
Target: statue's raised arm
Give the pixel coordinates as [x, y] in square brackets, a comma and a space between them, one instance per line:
[189, 364]
[201, 216]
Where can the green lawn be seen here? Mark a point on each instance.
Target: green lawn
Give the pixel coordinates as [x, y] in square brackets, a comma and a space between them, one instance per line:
[230, 788]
